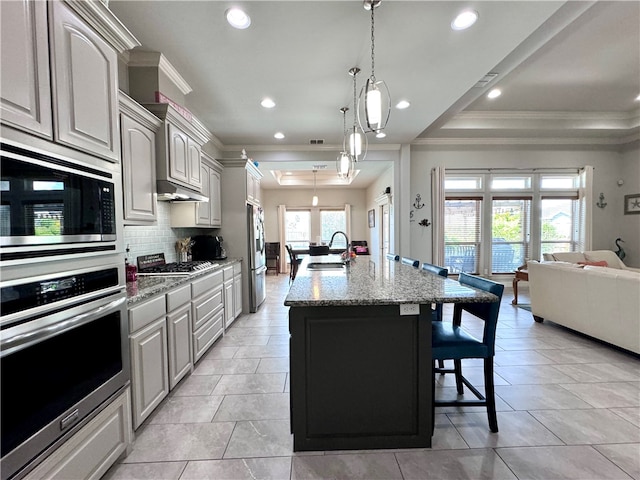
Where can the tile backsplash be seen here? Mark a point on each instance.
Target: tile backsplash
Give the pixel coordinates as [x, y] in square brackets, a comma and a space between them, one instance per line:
[160, 238]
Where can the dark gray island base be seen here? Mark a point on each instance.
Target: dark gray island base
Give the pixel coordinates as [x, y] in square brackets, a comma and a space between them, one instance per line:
[361, 370]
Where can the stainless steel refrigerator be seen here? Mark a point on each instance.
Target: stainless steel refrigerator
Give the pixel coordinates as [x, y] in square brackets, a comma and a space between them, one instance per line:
[257, 260]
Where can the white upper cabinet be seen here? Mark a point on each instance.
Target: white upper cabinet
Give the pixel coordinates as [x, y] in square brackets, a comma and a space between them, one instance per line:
[179, 148]
[202, 214]
[85, 85]
[59, 75]
[25, 93]
[253, 187]
[138, 130]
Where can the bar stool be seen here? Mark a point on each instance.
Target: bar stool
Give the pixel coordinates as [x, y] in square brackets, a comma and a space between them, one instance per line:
[411, 261]
[450, 342]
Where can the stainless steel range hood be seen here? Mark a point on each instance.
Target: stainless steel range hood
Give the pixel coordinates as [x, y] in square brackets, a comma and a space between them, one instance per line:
[172, 192]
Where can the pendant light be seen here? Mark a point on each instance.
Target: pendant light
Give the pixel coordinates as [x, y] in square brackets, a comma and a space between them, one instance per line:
[314, 200]
[344, 163]
[374, 106]
[358, 142]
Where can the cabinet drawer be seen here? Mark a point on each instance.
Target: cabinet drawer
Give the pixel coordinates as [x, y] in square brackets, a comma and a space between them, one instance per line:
[227, 273]
[201, 285]
[178, 297]
[144, 314]
[94, 448]
[204, 307]
[205, 336]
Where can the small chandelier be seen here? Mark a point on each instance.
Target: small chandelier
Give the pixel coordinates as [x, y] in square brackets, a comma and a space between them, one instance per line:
[314, 200]
[374, 105]
[358, 142]
[344, 163]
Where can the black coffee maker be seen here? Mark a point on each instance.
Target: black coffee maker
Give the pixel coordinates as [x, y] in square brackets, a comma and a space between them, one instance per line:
[208, 247]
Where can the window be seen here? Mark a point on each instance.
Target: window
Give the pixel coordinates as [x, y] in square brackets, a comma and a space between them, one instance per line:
[462, 234]
[558, 224]
[298, 228]
[495, 222]
[332, 221]
[305, 226]
[510, 233]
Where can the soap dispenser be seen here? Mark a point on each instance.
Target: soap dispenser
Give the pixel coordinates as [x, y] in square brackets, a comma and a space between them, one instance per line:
[131, 272]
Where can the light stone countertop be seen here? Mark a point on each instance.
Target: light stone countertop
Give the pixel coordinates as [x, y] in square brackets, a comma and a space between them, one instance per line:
[149, 286]
[369, 282]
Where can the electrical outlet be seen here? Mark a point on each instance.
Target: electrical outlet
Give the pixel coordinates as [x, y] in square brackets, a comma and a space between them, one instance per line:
[409, 309]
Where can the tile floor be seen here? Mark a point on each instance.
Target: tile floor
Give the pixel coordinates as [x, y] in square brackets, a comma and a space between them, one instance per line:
[569, 408]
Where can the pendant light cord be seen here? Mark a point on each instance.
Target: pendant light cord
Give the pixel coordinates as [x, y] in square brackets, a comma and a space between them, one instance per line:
[373, 76]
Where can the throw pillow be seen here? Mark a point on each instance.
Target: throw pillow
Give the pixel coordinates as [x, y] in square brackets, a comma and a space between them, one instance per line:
[601, 263]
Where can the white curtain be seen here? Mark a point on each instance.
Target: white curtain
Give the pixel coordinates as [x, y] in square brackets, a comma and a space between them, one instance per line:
[437, 214]
[585, 201]
[282, 235]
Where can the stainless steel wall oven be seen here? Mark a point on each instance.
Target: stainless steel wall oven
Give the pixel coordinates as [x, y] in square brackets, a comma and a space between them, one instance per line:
[63, 356]
[52, 206]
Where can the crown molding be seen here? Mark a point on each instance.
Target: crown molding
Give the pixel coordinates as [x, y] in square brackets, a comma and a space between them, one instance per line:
[392, 147]
[133, 109]
[142, 58]
[534, 141]
[476, 120]
[98, 16]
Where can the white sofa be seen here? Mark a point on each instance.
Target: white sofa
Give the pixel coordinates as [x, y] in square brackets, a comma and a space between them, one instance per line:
[590, 256]
[601, 302]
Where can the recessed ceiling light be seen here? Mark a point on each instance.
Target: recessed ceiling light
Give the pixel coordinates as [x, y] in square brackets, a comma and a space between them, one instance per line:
[278, 135]
[381, 135]
[288, 173]
[464, 20]
[495, 93]
[638, 98]
[267, 103]
[402, 104]
[238, 18]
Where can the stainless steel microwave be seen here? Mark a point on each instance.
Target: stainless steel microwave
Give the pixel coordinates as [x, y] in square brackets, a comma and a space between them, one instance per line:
[48, 201]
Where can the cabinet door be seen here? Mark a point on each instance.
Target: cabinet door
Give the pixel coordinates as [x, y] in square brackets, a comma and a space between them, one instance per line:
[256, 191]
[203, 209]
[215, 199]
[179, 323]
[85, 86]
[25, 92]
[195, 162]
[138, 171]
[150, 380]
[249, 188]
[229, 309]
[178, 154]
[237, 295]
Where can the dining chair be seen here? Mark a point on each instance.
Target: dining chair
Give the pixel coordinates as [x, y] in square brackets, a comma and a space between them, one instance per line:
[294, 263]
[272, 256]
[451, 342]
[436, 310]
[411, 261]
[393, 257]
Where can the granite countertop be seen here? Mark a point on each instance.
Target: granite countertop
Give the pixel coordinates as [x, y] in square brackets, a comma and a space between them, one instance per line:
[369, 282]
[150, 286]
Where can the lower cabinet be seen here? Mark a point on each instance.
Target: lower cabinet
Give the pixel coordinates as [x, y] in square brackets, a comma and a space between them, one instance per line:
[237, 289]
[149, 372]
[160, 343]
[229, 306]
[94, 448]
[179, 334]
[207, 307]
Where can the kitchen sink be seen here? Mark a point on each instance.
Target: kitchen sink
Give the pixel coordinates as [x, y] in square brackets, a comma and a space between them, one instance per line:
[325, 266]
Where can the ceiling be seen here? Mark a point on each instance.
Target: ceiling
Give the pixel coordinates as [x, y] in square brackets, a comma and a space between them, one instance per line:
[569, 72]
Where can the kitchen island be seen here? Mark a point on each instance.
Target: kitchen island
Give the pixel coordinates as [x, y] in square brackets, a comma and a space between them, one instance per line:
[360, 353]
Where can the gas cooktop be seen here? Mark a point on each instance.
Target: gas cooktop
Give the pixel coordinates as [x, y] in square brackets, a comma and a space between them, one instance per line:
[155, 265]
